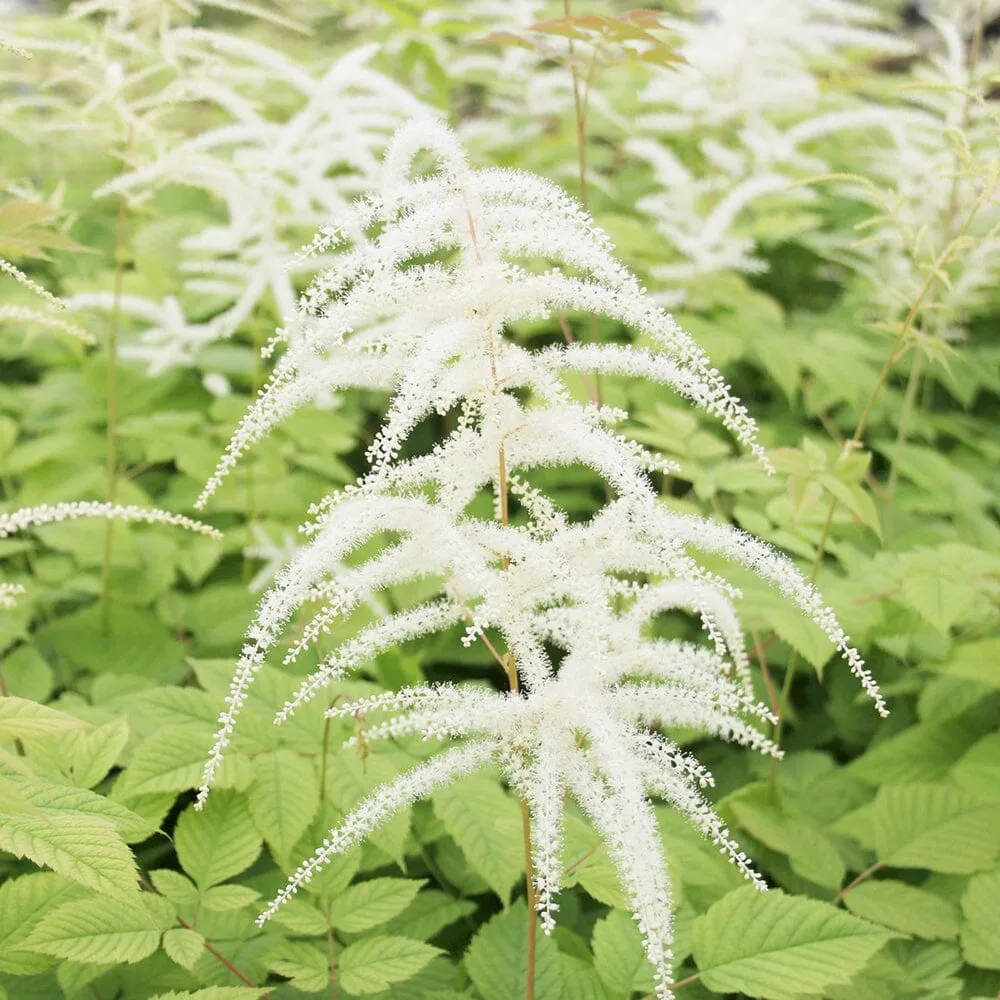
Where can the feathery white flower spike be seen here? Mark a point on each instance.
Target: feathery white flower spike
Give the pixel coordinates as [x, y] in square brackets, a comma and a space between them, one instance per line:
[374, 319]
[32, 517]
[434, 335]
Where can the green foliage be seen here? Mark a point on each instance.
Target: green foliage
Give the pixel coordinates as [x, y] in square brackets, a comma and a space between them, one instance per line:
[497, 962]
[375, 963]
[777, 946]
[217, 843]
[88, 930]
[880, 839]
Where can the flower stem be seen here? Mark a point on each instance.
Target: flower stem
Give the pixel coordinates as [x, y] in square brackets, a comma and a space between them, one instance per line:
[111, 390]
[863, 877]
[581, 101]
[331, 954]
[529, 883]
[913, 383]
[507, 661]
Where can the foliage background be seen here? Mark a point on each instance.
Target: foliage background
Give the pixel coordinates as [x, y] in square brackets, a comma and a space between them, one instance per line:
[883, 834]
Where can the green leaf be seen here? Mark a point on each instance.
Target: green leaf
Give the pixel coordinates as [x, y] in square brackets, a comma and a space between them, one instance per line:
[283, 798]
[581, 981]
[173, 759]
[351, 781]
[777, 946]
[485, 822]
[97, 751]
[938, 599]
[904, 908]
[75, 977]
[23, 902]
[184, 946]
[218, 842]
[89, 930]
[69, 802]
[429, 914]
[302, 916]
[224, 898]
[368, 904]
[619, 955]
[216, 993]
[586, 863]
[304, 963]
[936, 827]
[84, 848]
[981, 928]
[811, 853]
[175, 887]
[976, 661]
[21, 719]
[496, 960]
[375, 963]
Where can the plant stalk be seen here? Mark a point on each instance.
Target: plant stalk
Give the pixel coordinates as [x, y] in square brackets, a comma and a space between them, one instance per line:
[111, 391]
[510, 665]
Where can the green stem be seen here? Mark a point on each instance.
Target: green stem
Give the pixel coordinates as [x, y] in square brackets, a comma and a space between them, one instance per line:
[863, 877]
[257, 380]
[581, 102]
[111, 388]
[324, 757]
[331, 953]
[694, 977]
[909, 405]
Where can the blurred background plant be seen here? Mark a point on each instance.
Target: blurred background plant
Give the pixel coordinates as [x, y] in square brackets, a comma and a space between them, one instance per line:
[811, 186]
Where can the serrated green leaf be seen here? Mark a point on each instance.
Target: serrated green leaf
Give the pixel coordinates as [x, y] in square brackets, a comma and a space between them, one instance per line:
[173, 759]
[485, 822]
[429, 914]
[184, 946]
[586, 863]
[981, 926]
[905, 908]
[175, 887]
[70, 802]
[225, 898]
[777, 946]
[75, 977]
[23, 902]
[351, 781]
[216, 993]
[619, 956]
[376, 963]
[368, 904]
[304, 963]
[939, 600]
[283, 798]
[936, 827]
[811, 853]
[88, 930]
[218, 842]
[976, 661]
[496, 960]
[581, 981]
[976, 771]
[84, 848]
[21, 719]
[95, 752]
[302, 916]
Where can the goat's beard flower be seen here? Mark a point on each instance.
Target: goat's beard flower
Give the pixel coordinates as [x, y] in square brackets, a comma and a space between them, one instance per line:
[434, 334]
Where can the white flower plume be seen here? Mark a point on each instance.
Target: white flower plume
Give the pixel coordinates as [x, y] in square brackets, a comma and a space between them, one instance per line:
[31, 517]
[436, 334]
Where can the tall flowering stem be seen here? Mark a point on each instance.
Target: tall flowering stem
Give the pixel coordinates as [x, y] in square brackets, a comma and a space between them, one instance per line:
[589, 727]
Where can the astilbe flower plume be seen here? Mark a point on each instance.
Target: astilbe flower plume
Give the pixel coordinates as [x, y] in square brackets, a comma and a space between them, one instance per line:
[32, 517]
[436, 335]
